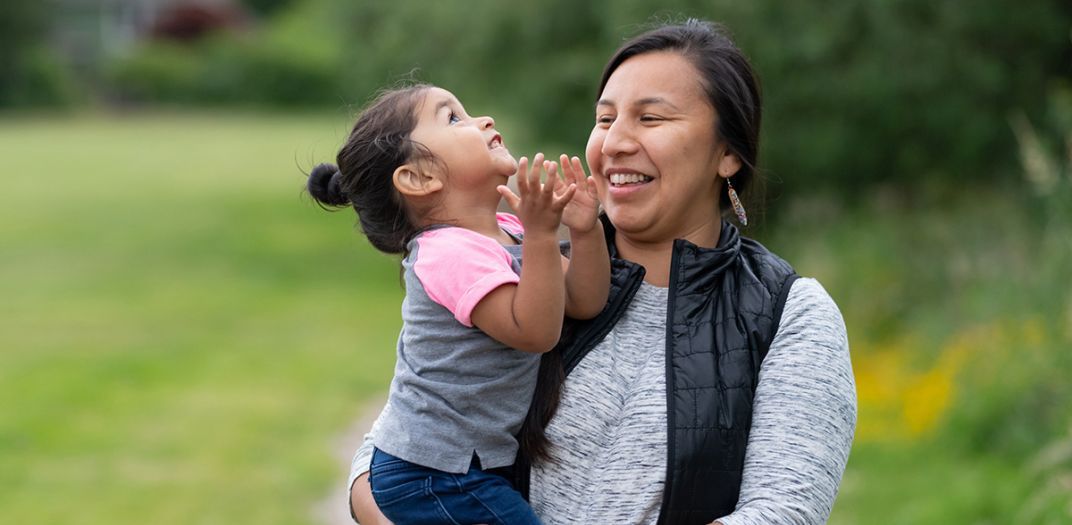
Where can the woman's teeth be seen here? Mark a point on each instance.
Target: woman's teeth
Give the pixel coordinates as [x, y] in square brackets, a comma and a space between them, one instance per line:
[619, 179]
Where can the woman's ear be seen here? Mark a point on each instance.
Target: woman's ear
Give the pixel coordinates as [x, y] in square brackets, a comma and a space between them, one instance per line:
[410, 181]
[729, 165]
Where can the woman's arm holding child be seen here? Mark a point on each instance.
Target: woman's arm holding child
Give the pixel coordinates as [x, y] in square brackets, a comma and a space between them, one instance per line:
[588, 273]
[528, 316]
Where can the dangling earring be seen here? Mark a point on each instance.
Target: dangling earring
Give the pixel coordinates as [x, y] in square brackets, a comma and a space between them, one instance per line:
[738, 208]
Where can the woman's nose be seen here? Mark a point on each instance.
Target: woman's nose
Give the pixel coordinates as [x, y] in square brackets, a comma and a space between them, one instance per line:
[618, 140]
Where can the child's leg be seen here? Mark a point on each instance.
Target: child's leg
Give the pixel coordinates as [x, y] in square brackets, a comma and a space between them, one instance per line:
[410, 494]
[481, 497]
[403, 491]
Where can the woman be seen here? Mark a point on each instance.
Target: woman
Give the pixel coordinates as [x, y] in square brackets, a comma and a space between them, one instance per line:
[666, 415]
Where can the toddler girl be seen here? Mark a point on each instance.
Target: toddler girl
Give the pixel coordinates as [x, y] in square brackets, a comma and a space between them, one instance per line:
[425, 179]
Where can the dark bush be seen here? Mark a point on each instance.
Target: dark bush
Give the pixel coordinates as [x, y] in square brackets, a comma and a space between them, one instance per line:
[32, 75]
[227, 71]
[158, 72]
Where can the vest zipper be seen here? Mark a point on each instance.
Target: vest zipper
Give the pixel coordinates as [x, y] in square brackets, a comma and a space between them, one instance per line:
[670, 420]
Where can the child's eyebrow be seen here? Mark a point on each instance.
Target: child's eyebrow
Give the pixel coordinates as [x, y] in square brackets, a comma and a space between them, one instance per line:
[445, 103]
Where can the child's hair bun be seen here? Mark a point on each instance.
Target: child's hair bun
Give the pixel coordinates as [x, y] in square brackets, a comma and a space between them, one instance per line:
[323, 185]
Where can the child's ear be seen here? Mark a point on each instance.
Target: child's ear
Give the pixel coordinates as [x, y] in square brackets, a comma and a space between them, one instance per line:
[413, 182]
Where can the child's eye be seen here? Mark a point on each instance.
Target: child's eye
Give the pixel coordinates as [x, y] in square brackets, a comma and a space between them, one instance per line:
[454, 118]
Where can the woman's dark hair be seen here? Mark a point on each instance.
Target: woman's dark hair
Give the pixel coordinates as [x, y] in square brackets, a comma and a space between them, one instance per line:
[733, 91]
[728, 79]
[378, 144]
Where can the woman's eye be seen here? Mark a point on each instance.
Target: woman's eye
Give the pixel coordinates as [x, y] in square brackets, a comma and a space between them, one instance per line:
[604, 119]
[649, 118]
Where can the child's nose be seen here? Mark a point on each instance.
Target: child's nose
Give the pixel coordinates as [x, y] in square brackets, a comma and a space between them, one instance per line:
[487, 123]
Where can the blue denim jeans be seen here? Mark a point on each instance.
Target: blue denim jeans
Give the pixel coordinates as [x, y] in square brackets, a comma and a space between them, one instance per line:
[411, 494]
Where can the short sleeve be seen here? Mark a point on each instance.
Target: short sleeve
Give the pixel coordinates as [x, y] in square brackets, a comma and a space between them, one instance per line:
[458, 268]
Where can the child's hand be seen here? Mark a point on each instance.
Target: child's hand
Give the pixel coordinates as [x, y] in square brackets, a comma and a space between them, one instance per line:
[539, 206]
[582, 212]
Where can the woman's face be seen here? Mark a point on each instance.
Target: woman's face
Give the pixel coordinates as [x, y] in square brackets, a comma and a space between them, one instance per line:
[653, 150]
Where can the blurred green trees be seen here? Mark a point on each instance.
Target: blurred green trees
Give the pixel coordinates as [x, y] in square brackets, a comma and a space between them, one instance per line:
[32, 75]
[902, 92]
[906, 93]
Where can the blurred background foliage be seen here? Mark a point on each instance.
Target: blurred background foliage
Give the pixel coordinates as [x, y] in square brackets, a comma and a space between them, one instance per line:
[933, 82]
[184, 335]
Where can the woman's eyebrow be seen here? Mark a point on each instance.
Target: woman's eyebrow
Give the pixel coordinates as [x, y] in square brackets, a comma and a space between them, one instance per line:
[646, 101]
[649, 101]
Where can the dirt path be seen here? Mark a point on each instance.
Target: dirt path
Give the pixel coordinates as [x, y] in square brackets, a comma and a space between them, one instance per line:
[332, 510]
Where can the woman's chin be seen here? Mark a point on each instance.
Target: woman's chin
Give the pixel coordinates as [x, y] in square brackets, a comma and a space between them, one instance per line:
[627, 221]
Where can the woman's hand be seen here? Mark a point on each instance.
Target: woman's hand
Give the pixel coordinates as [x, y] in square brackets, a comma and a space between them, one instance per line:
[582, 212]
[539, 206]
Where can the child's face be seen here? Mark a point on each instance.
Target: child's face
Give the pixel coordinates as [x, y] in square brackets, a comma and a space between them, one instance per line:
[469, 148]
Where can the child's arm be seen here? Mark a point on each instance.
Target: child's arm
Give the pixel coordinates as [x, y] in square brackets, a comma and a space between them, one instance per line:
[588, 274]
[528, 315]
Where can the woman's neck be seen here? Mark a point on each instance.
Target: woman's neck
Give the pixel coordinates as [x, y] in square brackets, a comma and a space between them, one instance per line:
[655, 256]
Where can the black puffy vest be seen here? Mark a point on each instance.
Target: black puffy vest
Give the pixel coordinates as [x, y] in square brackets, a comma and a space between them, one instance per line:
[722, 313]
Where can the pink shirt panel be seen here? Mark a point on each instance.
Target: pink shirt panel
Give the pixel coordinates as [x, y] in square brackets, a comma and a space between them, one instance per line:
[510, 223]
[459, 267]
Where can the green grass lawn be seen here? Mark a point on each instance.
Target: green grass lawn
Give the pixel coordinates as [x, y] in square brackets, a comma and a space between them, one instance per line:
[183, 332]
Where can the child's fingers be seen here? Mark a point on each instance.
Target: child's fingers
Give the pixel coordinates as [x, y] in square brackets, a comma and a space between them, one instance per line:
[532, 176]
[552, 176]
[567, 170]
[510, 197]
[564, 181]
[559, 202]
[578, 169]
[560, 184]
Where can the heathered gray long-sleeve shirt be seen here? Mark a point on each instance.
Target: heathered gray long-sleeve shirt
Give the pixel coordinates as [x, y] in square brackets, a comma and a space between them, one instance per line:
[613, 416]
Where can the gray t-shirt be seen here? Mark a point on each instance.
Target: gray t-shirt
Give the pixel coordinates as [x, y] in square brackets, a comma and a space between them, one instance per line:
[456, 391]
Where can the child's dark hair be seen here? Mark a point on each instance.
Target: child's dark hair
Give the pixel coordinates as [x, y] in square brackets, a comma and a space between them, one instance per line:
[378, 144]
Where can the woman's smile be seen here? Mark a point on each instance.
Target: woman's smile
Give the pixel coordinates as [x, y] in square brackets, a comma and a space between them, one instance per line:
[621, 177]
[624, 184]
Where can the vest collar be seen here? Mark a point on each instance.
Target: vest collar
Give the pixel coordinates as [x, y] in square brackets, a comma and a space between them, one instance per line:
[691, 258]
